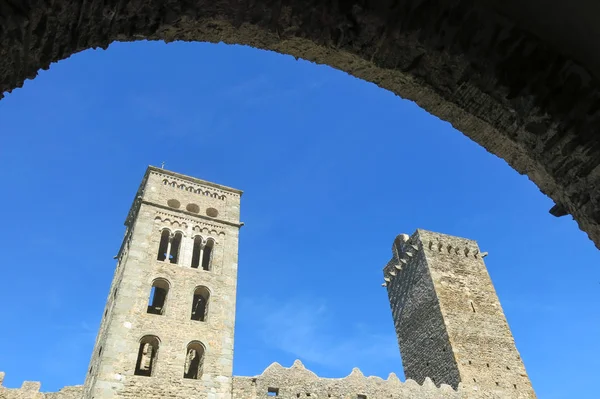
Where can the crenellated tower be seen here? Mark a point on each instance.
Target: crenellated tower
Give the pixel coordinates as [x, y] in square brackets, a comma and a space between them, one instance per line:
[168, 325]
[448, 318]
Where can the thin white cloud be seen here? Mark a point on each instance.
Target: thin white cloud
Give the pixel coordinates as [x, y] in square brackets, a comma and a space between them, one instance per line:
[312, 332]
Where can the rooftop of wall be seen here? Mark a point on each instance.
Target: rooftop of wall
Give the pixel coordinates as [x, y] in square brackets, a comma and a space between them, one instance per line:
[28, 387]
[432, 235]
[406, 247]
[192, 179]
[298, 378]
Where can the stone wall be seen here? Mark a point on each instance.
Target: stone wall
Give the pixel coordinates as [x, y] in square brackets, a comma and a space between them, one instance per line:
[31, 390]
[507, 88]
[448, 318]
[298, 382]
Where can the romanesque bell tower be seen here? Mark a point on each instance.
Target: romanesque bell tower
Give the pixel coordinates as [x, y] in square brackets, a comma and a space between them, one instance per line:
[448, 318]
[168, 325]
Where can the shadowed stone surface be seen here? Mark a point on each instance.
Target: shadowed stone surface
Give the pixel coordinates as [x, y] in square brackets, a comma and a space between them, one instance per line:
[507, 89]
[448, 318]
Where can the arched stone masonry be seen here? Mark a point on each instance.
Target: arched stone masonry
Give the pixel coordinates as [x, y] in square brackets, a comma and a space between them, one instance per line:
[509, 90]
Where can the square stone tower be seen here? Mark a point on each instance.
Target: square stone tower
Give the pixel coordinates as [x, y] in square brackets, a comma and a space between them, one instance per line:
[448, 318]
[168, 325]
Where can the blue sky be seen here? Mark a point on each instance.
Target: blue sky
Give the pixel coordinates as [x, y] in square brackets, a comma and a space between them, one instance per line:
[333, 168]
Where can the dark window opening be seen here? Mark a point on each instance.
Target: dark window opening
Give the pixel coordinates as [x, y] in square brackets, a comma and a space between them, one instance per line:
[196, 252]
[158, 297]
[100, 351]
[146, 356]
[361, 396]
[472, 306]
[194, 361]
[175, 246]
[163, 245]
[200, 304]
[207, 255]
[272, 391]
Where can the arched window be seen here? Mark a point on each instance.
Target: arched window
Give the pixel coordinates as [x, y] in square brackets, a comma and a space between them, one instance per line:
[164, 244]
[175, 246]
[147, 353]
[207, 254]
[200, 304]
[196, 252]
[194, 360]
[158, 296]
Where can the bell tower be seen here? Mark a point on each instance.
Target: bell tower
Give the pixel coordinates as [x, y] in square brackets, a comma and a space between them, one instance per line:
[168, 324]
[449, 321]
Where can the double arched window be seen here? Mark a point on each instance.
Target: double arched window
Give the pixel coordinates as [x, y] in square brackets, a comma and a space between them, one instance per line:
[169, 246]
[202, 253]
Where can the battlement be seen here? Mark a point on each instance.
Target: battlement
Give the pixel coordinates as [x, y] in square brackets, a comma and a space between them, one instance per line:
[448, 319]
[407, 247]
[31, 390]
[296, 381]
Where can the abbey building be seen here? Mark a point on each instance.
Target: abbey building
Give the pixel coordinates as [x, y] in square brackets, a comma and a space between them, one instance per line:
[168, 326]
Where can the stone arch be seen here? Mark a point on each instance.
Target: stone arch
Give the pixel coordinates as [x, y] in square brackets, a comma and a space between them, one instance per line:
[176, 243]
[200, 303]
[207, 253]
[147, 355]
[508, 87]
[194, 360]
[159, 293]
[165, 235]
[197, 251]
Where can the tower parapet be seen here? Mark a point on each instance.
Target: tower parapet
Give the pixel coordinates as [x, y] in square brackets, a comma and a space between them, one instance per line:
[448, 319]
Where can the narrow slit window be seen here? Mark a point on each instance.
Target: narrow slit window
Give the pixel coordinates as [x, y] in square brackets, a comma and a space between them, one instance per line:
[200, 304]
[207, 255]
[158, 297]
[164, 244]
[194, 360]
[147, 356]
[196, 252]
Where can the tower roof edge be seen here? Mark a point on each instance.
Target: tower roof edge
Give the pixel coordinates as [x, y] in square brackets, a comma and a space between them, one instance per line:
[192, 179]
